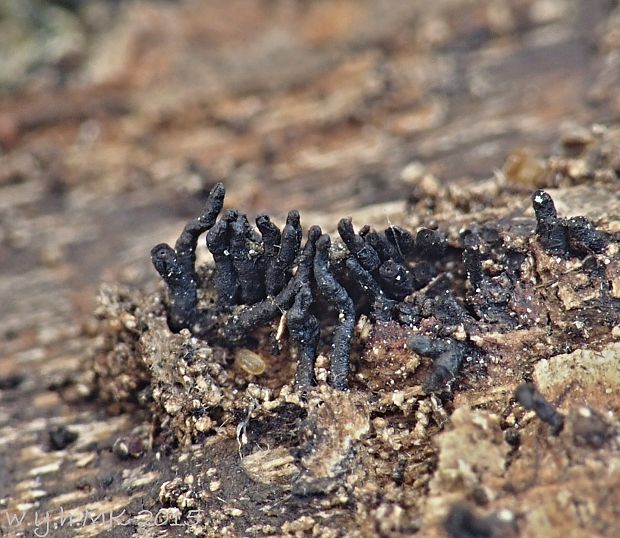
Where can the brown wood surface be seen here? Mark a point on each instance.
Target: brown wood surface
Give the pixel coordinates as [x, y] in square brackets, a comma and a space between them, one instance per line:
[322, 106]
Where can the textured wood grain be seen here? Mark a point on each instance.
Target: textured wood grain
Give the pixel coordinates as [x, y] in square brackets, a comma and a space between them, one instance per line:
[321, 106]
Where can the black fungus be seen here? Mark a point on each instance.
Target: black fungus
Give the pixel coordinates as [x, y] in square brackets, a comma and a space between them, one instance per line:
[271, 238]
[430, 244]
[259, 277]
[447, 355]
[407, 314]
[336, 295]
[490, 291]
[450, 311]
[472, 258]
[422, 274]
[380, 244]
[543, 205]
[279, 270]
[381, 305]
[584, 238]
[550, 229]
[185, 245]
[529, 397]
[365, 254]
[225, 279]
[265, 311]
[403, 241]
[305, 264]
[363, 278]
[395, 280]
[303, 328]
[394, 276]
[181, 285]
[576, 236]
[177, 266]
[245, 253]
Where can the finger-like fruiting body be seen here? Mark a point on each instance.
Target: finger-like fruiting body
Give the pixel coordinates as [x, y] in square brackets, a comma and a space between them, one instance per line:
[381, 305]
[363, 278]
[336, 295]
[381, 245]
[403, 241]
[272, 238]
[472, 259]
[364, 253]
[177, 266]
[551, 231]
[576, 236]
[584, 238]
[553, 236]
[245, 261]
[528, 396]
[185, 245]
[395, 280]
[181, 287]
[306, 260]
[304, 330]
[278, 271]
[270, 233]
[430, 244]
[224, 276]
[543, 205]
[265, 311]
[448, 357]
[393, 276]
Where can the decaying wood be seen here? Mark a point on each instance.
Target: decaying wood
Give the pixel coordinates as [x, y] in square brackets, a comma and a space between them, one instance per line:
[360, 95]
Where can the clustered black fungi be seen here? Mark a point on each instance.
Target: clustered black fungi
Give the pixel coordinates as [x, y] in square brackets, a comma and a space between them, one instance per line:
[261, 275]
[489, 295]
[575, 236]
[264, 274]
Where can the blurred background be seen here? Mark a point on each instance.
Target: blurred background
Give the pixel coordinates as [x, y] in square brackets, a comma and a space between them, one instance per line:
[116, 117]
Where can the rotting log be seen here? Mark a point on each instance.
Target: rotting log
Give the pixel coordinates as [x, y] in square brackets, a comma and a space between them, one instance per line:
[82, 197]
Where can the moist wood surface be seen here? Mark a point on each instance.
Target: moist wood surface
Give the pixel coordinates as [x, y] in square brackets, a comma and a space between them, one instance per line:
[320, 106]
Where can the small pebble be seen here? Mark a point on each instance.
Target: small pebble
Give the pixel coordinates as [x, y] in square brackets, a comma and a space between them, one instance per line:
[125, 448]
